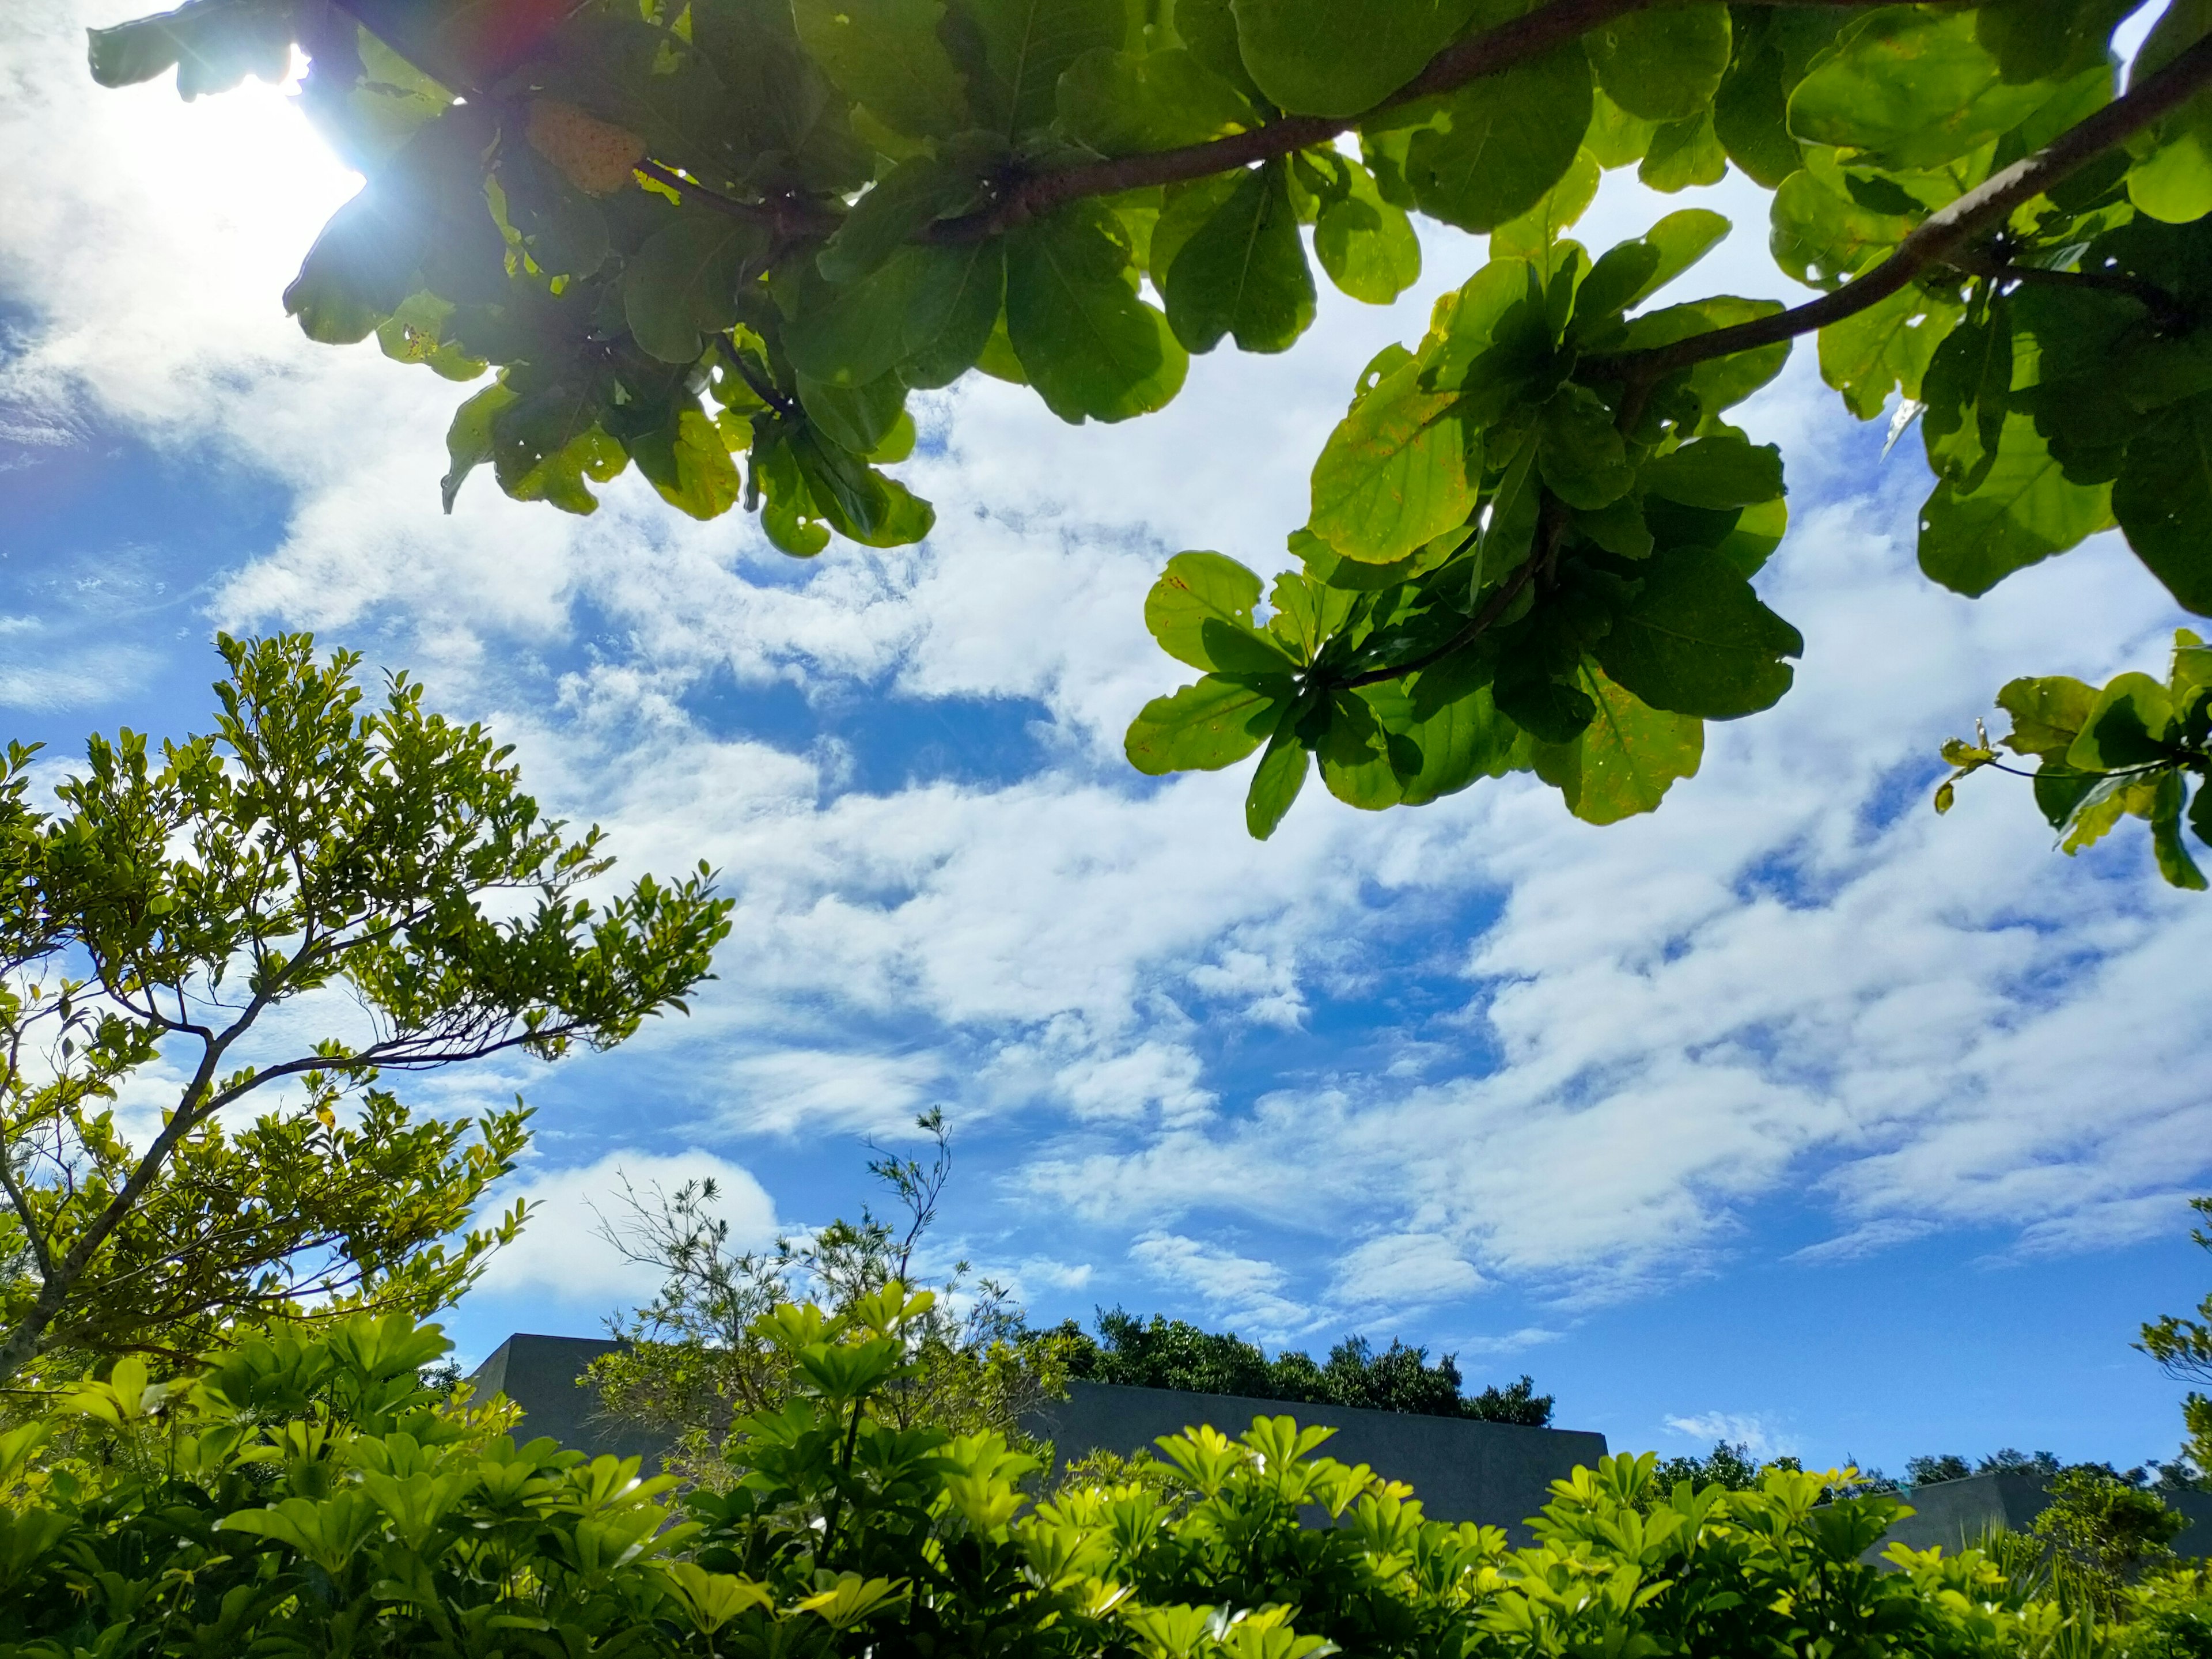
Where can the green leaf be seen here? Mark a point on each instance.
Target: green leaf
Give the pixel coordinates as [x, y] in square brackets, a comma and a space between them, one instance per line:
[1506, 139]
[682, 284]
[1751, 111]
[887, 55]
[213, 45]
[1683, 153]
[1758, 532]
[1243, 272]
[1722, 382]
[898, 205]
[2173, 182]
[2163, 500]
[1534, 236]
[1355, 748]
[1464, 739]
[1201, 612]
[2172, 854]
[1366, 245]
[469, 440]
[1696, 639]
[858, 418]
[1089, 345]
[686, 460]
[2023, 510]
[1206, 726]
[1396, 472]
[1026, 46]
[1322, 58]
[1626, 758]
[1911, 89]
[1126, 103]
[856, 500]
[2130, 724]
[1307, 609]
[1886, 347]
[1721, 471]
[1580, 451]
[2047, 714]
[1275, 782]
[1967, 390]
[952, 309]
[1821, 238]
[1663, 64]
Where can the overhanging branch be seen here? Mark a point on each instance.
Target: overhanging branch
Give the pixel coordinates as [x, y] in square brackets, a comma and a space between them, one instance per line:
[1945, 237]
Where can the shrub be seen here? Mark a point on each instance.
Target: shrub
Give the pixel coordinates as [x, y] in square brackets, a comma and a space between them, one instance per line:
[316, 1496]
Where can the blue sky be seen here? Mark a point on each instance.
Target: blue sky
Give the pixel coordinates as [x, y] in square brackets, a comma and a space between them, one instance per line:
[1789, 1112]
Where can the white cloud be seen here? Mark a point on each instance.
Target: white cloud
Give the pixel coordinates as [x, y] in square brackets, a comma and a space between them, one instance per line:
[1792, 981]
[561, 1254]
[1753, 1432]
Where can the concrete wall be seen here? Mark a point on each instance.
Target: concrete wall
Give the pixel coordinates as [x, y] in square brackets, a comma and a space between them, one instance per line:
[1493, 1472]
[539, 1373]
[1955, 1513]
[1497, 1473]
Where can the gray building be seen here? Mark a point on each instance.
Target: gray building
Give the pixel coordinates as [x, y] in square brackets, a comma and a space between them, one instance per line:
[1956, 1513]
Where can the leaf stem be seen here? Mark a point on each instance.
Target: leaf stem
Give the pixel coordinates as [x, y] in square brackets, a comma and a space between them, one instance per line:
[2164, 307]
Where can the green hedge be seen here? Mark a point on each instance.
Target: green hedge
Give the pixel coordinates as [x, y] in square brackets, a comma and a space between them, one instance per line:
[315, 1498]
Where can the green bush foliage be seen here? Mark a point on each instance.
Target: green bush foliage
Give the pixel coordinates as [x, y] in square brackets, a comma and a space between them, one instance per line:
[1170, 1353]
[314, 1496]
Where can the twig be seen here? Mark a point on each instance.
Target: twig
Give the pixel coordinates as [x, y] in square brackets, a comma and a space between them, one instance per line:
[2166, 308]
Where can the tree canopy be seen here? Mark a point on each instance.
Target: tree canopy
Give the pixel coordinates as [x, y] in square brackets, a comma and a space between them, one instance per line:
[155, 930]
[725, 240]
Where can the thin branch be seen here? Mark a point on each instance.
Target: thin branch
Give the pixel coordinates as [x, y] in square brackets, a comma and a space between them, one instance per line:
[1948, 232]
[2166, 308]
[788, 217]
[1479, 625]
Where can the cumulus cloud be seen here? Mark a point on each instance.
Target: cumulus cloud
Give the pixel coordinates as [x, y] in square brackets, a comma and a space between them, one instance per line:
[1760, 1438]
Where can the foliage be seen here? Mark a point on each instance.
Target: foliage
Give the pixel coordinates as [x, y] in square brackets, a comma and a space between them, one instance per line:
[2170, 1617]
[2106, 1530]
[2183, 1347]
[696, 1359]
[164, 919]
[312, 1497]
[2129, 748]
[1930, 1467]
[1169, 1353]
[690, 232]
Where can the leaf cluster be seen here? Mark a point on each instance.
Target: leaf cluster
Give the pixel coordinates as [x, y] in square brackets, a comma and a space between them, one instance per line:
[725, 239]
[2134, 747]
[310, 1496]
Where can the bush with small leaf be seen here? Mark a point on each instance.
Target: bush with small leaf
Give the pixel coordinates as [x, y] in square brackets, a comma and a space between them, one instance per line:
[316, 1496]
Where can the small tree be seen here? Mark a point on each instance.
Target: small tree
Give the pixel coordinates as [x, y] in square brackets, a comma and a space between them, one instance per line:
[2183, 1347]
[158, 922]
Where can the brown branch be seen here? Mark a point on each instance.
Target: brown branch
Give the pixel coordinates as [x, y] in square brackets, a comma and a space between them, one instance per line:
[1510, 44]
[1946, 234]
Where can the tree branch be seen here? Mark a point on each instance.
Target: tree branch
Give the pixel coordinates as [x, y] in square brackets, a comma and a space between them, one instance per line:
[2166, 308]
[1477, 626]
[1946, 234]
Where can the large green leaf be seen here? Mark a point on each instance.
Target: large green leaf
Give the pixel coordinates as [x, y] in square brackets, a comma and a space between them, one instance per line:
[2163, 500]
[1821, 238]
[1207, 726]
[1505, 140]
[1721, 471]
[1395, 474]
[682, 284]
[2023, 510]
[1683, 154]
[1464, 739]
[926, 312]
[1664, 63]
[1325, 57]
[1125, 103]
[1366, 245]
[1912, 88]
[1275, 782]
[952, 307]
[1696, 639]
[1201, 612]
[686, 460]
[887, 55]
[1243, 272]
[2129, 724]
[213, 45]
[1089, 345]
[1626, 758]
[2047, 712]
[1025, 47]
[1884, 349]
[1580, 451]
